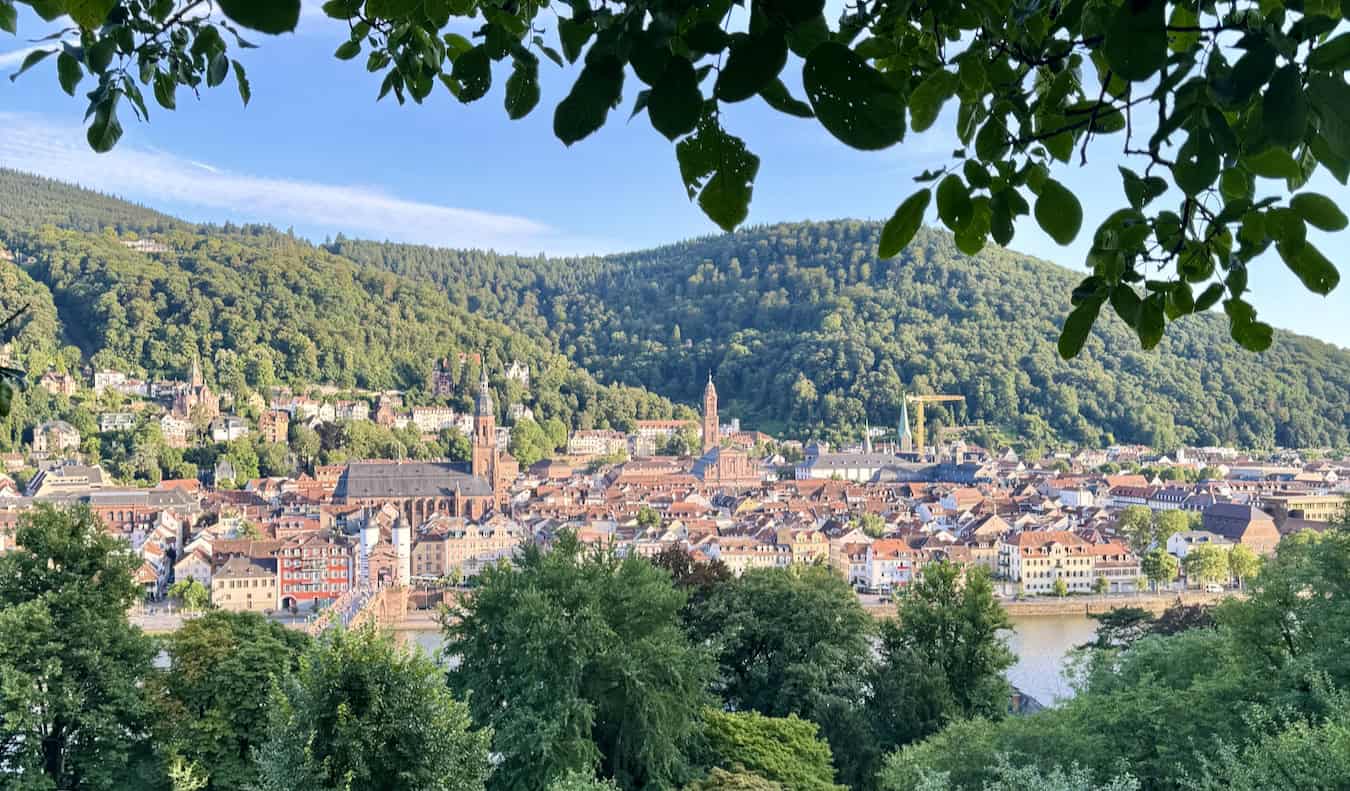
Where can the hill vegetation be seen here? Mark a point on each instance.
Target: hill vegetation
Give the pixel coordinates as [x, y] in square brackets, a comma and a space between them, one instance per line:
[808, 331]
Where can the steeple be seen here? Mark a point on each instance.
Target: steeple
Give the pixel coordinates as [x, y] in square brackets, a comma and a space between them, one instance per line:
[195, 377]
[710, 424]
[906, 438]
[867, 437]
[484, 403]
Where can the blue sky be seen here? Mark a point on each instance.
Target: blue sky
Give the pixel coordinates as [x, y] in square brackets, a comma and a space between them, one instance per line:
[315, 151]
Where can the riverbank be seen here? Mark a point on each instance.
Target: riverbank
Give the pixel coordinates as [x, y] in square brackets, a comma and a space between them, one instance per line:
[1155, 603]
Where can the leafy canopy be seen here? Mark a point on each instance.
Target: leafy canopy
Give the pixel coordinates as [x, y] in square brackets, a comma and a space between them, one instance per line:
[1212, 106]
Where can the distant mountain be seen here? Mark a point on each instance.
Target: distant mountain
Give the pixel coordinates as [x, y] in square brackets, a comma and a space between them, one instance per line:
[258, 306]
[807, 330]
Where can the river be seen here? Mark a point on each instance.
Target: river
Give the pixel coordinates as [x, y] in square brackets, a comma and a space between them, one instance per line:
[1041, 643]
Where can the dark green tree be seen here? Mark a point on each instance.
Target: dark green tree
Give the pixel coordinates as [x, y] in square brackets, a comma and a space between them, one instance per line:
[73, 713]
[599, 675]
[214, 693]
[363, 713]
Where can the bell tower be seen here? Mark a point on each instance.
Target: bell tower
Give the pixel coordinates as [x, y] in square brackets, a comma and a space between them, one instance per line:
[484, 432]
[710, 436]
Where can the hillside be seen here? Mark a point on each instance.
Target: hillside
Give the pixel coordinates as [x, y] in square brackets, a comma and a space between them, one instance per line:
[258, 306]
[806, 330]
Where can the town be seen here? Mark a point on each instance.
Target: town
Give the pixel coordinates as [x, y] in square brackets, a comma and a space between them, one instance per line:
[1116, 520]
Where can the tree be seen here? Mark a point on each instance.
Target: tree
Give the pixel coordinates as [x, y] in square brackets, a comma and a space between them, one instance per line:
[215, 692]
[73, 713]
[1135, 523]
[363, 713]
[191, 594]
[1120, 627]
[1167, 524]
[1060, 588]
[697, 578]
[1243, 563]
[872, 525]
[1023, 111]
[719, 779]
[647, 517]
[1205, 563]
[784, 750]
[600, 674]
[304, 442]
[1160, 567]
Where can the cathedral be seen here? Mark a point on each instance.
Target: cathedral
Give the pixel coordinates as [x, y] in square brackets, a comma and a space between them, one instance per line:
[728, 468]
[196, 394]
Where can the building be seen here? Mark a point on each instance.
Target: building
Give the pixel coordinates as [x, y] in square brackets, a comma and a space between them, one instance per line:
[652, 435]
[597, 442]
[711, 435]
[519, 372]
[1037, 558]
[497, 467]
[59, 383]
[447, 545]
[727, 468]
[1312, 507]
[66, 479]
[55, 436]
[419, 490]
[311, 569]
[108, 379]
[274, 425]
[431, 419]
[352, 410]
[245, 584]
[807, 546]
[442, 379]
[175, 430]
[1242, 524]
[228, 428]
[196, 395]
[116, 421]
[1179, 544]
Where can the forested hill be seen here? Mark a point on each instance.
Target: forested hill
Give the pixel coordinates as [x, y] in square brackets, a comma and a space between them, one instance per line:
[258, 306]
[806, 329]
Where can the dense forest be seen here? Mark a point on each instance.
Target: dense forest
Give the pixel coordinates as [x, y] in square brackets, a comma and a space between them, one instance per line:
[259, 307]
[808, 331]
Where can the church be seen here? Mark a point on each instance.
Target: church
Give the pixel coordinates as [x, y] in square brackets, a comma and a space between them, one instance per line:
[423, 489]
[724, 467]
[196, 395]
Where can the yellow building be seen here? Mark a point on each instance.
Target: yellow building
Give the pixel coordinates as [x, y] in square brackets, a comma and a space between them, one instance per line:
[807, 546]
[1312, 507]
[245, 585]
[450, 544]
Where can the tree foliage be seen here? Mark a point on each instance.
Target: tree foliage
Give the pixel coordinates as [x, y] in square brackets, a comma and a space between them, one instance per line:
[1200, 101]
[599, 675]
[784, 750]
[363, 713]
[72, 712]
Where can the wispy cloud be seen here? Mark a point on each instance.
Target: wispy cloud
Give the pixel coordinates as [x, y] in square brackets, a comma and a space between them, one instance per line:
[14, 58]
[36, 144]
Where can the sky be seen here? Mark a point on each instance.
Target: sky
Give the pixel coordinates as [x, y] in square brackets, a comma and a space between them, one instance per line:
[316, 152]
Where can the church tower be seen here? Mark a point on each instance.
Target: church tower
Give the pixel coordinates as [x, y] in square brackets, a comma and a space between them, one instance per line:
[710, 436]
[906, 438]
[484, 433]
[195, 379]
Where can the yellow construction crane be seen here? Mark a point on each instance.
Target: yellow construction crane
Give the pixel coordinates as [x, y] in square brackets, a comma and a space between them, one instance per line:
[920, 427]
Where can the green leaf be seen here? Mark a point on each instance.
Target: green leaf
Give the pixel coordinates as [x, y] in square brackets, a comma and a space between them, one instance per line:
[1058, 212]
[105, 130]
[925, 103]
[1317, 273]
[719, 169]
[1251, 71]
[264, 16]
[241, 80]
[776, 95]
[1183, 16]
[89, 14]
[1136, 41]
[216, 69]
[1077, 326]
[586, 106]
[1318, 211]
[901, 227]
[341, 9]
[68, 72]
[165, 87]
[1246, 330]
[1209, 297]
[953, 202]
[1284, 110]
[573, 36]
[348, 50]
[1141, 191]
[755, 59]
[1273, 163]
[1197, 163]
[1152, 320]
[30, 60]
[9, 18]
[853, 100]
[675, 102]
[522, 89]
[473, 72]
[1333, 55]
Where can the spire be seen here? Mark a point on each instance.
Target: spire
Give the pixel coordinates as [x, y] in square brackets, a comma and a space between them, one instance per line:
[867, 436]
[195, 377]
[906, 438]
[484, 404]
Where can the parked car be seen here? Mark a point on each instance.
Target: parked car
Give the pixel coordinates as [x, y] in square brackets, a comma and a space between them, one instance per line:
[1213, 587]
